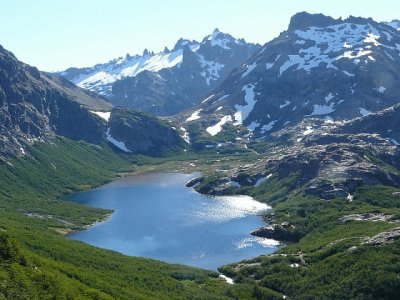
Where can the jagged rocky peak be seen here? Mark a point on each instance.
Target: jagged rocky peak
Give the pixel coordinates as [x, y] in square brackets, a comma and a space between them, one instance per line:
[36, 105]
[305, 20]
[182, 76]
[182, 43]
[394, 23]
[321, 67]
[222, 40]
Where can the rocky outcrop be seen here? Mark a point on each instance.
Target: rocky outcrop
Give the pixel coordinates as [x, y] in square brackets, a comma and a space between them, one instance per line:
[383, 238]
[143, 134]
[383, 123]
[334, 170]
[168, 82]
[373, 217]
[320, 67]
[34, 106]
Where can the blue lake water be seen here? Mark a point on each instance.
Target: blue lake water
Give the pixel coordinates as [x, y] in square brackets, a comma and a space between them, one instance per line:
[156, 216]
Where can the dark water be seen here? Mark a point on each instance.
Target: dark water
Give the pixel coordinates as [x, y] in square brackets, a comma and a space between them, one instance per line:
[156, 216]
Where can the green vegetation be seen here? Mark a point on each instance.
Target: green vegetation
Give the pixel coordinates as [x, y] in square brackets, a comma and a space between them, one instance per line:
[37, 262]
[332, 259]
[329, 259]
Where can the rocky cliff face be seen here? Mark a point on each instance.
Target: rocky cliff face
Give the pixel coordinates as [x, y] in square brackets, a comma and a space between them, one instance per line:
[324, 158]
[384, 123]
[139, 133]
[34, 106]
[320, 67]
[168, 82]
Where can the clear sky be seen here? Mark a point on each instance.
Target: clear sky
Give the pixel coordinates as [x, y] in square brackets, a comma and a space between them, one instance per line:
[56, 34]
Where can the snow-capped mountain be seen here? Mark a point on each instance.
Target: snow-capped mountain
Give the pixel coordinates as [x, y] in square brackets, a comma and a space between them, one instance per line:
[36, 106]
[320, 67]
[167, 82]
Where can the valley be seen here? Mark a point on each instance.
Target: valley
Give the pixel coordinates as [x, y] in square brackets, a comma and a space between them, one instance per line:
[156, 176]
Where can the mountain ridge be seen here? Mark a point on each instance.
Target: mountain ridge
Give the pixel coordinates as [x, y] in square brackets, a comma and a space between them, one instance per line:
[320, 67]
[167, 82]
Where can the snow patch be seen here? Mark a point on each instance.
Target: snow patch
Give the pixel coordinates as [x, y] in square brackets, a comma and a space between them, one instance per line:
[268, 127]
[212, 69]
[364, 112]
[208, 98]
[381, 89]
[308, 131]
[116, 143]
[329, 97]
[185, 135]
[262, 180]
[235, 184]
[227, 279]
[194, 116]
[322, 109]
[348, 73]
[243, 111]
[104, 115]
[215, 129]
[285, 104]
[249, 69]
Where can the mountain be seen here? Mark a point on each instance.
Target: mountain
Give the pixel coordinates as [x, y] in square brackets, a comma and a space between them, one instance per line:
[168, 82]
[323, 158]
[36, 106]
[384, 123]
[319, 67]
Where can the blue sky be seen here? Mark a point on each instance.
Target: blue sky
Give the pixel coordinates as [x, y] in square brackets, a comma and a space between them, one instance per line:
[56, 34]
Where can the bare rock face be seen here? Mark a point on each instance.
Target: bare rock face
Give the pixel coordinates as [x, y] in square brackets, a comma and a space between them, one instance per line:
[386, 237]
[168, 82]
[383, 123]
[320, 67]
[34, 106]
[333, 170]
[142, 133]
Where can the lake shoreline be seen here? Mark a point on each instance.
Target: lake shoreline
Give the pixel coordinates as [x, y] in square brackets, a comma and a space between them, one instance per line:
[245, 205]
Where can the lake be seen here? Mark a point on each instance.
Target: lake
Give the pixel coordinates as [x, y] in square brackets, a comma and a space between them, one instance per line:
[157, 216]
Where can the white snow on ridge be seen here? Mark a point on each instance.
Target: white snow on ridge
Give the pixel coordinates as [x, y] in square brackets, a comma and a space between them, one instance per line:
[243, 111]
[215, 129]
[103, 115]
[194, 116]
[249, 69]
[342, 41]
[364, 112]
[102, 77]
[116, 143]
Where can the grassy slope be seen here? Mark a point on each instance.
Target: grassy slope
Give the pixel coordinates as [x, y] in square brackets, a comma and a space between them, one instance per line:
[333, 262]
[36, 262]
